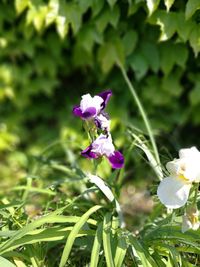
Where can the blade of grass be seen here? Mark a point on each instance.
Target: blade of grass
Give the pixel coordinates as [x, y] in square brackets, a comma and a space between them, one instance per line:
[120, 251]
[172, 253]
[33, 189]
[51, 218]
[73, 234]
[6, 206]
[106, 239]
[108, 193]
[19, 263]
[151, 158]
[159, 259]
[96, 246]
[46, 219]
[142, 253]
[14, 254]
[173, 233]
[6, 263]
[46, 235]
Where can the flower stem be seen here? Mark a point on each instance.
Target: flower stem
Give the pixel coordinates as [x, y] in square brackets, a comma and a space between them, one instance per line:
[95, 164]
[142, 112]
[196, 193]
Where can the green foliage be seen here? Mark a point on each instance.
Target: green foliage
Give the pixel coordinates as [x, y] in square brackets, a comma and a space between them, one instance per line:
[5, 262]
[51, 53]
[80, 232]
[45, 43]
[74, 233]
[191, 7]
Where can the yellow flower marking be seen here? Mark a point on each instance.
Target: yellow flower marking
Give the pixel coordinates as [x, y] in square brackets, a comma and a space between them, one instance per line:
[194, 219]
[182, 177]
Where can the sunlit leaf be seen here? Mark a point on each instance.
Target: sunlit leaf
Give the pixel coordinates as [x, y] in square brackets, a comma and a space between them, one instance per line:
[21, 5]
[168, 4]
[191, 7]
[62, 26]
[167, 23]
[152, 5]
[52, 11]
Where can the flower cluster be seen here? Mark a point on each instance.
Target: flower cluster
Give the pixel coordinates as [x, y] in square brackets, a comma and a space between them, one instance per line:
[92, 109]
[174, 190]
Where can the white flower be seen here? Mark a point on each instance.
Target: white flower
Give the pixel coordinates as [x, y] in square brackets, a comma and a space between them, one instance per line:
[190, 220]
[88, 102]
[188, 165]
[103, 122]
[103, 145]
[174, 190]
[90, 107]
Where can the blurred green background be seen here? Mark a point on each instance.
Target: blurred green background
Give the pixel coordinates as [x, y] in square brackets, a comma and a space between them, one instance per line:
[54, 51]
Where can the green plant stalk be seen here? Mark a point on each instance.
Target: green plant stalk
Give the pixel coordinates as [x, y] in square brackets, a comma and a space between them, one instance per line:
[142, 112]
[196, 193]
[27, 188]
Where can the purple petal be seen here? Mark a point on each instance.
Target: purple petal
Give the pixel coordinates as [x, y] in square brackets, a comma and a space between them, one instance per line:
[77, 111]
[116, 160]
[89, 112]
[87, 153]
[106, 96]
[97, 123]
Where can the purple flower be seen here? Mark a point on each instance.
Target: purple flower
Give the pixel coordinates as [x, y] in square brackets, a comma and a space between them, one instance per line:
[102, 122]
[106, 96]
[90, 106]
[103, 146]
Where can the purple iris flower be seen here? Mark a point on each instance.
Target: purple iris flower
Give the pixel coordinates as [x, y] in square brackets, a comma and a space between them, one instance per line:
[103, 146]
[90, 106]
[102, 121]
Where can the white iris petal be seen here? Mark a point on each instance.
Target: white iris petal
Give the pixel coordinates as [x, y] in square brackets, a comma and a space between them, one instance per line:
[192, 152]
[88, 101]
[190, 221]
[173, 192]
[186, 224]
[174, 166]
[104, 122]
[192, 162]
[103, 145]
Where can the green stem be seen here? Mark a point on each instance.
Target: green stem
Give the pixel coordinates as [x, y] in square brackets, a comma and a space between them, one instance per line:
[196, 194]
[88, 131]
[95, 164]
[28, 187]
[142, 112]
